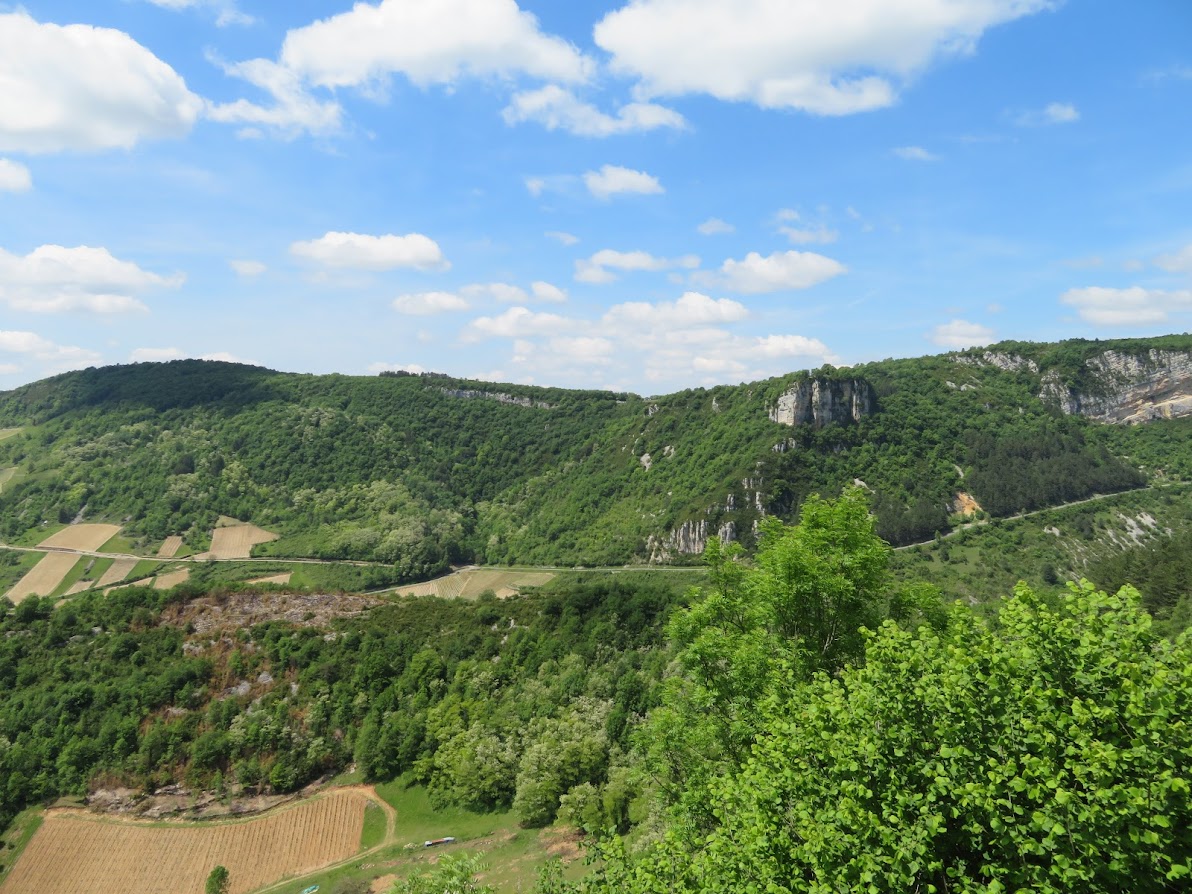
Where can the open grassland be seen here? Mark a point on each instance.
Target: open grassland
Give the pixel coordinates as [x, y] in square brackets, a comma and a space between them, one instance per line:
[80, 853]
[45, 576]
[85, 537]
[236, 539]
[8, 432]
[279, 579]
[169, 547]
[470, 583]
[6, 476]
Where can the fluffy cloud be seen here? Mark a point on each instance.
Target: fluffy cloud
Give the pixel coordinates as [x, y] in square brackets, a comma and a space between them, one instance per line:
[599, 268]
[835, 59]
[227, 13]
[294, 110]
[363, 252]
[1055, 113]
[714, 226]
[54, 279]
[429, 42]
[517, 322]
[33, 345]
[961, 334]
[1178, 262]
[1124, 307]
[691, 309]
[915, 153]
[510, 294]
[14, 177]
[558, 109]
[248, 268]
[424, 304]
[778, 272]
[78, 87]
[612, 180]
[415, 368]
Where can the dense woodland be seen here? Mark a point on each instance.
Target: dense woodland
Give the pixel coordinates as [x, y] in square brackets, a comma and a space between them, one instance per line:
[424, 471]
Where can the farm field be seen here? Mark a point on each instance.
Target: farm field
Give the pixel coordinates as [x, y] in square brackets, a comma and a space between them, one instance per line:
[470, 583]
[169, 547]
[235, 540]
[172, 579]
[117, 571]
[281, 579]
[115, 856]
[87, 537]
[45, 576]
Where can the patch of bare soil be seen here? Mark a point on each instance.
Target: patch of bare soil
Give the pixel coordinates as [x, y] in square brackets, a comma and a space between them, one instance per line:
[382, 883]
[564, 843]
[176, 802]
[964, 504]
[212, 613]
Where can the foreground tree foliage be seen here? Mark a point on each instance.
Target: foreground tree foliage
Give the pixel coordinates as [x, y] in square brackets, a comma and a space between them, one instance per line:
[1050, 751]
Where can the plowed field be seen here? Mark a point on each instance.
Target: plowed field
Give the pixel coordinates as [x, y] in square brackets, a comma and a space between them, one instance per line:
[173, 579]
[44, 577]
[86, 537]
[237, 540]
[471, 583]
[80, 853]
[169, 547]
[117, 571]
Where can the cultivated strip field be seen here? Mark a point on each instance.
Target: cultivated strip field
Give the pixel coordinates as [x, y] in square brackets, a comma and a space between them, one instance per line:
[281, 579]
[236, 540]
[471, 583]
[169, 547]
[80, 853]
[117, 571]
[85, 537]
[44, 577]
[173, 579]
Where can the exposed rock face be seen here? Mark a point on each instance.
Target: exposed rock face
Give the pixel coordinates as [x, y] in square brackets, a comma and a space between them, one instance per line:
[818, 402]
[689, 539]
[1132, 388]
[999, 359]
[499, 396]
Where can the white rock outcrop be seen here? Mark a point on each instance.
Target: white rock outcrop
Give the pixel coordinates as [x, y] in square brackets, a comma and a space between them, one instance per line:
[1130, 388]
[818, 402]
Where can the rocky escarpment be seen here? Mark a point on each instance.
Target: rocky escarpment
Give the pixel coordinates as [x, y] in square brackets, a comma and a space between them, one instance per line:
[499, 396]
[818, 402]
[998, 359]
[722, 520]
[1127, 388]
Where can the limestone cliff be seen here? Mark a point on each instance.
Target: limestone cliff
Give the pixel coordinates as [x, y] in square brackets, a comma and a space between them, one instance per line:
[1127, 388]
[818, 402]
[499, 396]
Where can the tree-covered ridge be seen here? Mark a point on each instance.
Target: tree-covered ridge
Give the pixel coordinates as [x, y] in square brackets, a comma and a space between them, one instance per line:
[405, 470]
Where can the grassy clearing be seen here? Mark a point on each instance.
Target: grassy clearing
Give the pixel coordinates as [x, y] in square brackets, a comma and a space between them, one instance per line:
[6, 475]
[118, 543]
[144, 568]
[15, 837]
[15, 565]
[9, 432]
[373, 832]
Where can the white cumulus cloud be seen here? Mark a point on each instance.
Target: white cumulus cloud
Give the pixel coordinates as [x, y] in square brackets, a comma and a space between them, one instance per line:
[961, 334]
[79, 87]
[33, 345]
[780, 271]
[55, 279]
[556, 108]
[825, 58]
[517, 322]
[915, 153]
[613, 180]
[1125, 307]
[293, 111]
[1053, 113]
[600, 266]
[714, 226]
[364, 252]
[14, 177]
[247, 268]
[1177, 262]
[424, 304]
[691, 309]
[430, 42]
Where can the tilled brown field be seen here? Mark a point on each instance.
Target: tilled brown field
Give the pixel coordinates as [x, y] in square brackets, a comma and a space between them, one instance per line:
[44, 577]
[81, 853]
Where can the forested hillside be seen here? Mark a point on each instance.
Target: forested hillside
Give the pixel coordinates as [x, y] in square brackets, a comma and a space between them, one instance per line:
[424, 471]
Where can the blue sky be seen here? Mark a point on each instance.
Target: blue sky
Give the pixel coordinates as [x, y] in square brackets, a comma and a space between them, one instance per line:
[643, 196]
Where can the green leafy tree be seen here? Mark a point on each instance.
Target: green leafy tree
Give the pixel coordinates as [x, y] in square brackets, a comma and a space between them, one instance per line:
[452, 875]
[1047, 752]
[217, 881]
